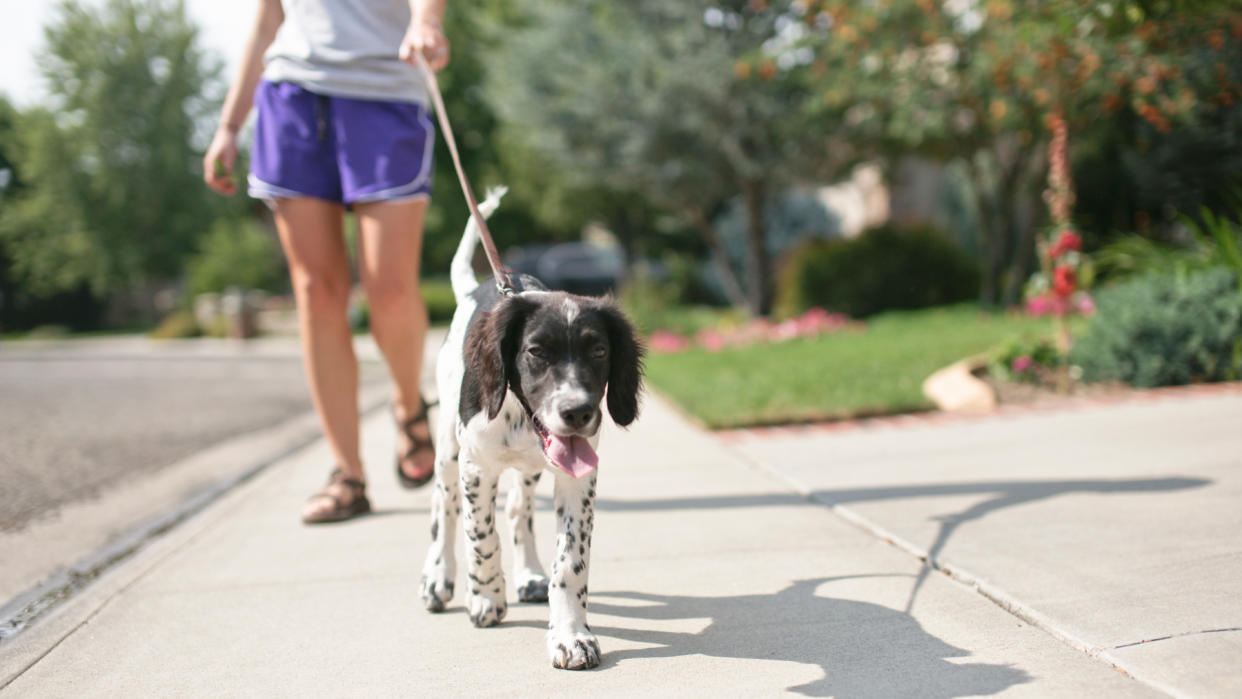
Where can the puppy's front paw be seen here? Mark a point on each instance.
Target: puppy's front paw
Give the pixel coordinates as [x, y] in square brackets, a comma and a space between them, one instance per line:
[532, 588]
[573, 650]
[436, 592]
[486, 610]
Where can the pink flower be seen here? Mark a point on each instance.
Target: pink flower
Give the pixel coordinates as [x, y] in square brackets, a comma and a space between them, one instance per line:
[1021, 364]
[663, 341]
[1039, 305]
[711, 340]
[1084, 304]
[787, 330]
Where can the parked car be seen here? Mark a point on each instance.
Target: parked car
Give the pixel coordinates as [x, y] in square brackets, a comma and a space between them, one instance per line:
[579, 268]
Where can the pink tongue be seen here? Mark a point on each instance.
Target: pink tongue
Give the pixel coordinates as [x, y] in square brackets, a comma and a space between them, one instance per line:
[573, 455]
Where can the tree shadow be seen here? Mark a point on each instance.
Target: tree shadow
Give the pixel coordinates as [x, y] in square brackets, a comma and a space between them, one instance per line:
[1004, 494]
[863, 649]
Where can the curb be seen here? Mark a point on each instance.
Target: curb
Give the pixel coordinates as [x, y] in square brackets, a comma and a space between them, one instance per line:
[981, 585]
[271, 445]
[906, 420]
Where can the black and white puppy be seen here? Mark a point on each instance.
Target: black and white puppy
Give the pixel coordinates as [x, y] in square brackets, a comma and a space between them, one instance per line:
[521, 381]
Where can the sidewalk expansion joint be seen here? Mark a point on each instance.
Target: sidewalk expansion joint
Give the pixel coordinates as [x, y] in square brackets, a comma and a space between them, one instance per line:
[1177, 635]
[963, 577]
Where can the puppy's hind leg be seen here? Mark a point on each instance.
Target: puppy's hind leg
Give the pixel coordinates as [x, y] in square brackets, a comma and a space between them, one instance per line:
[440, 568]
[531, 582]
[486, 600]
[571, 645]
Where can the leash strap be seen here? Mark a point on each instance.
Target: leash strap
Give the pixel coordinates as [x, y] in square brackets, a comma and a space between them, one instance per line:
[493, 257]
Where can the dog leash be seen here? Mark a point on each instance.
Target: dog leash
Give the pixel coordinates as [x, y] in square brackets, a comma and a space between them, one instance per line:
[503, 283]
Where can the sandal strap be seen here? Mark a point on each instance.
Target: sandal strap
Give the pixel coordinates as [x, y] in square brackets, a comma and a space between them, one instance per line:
[355, 485]
[421, 416]
[407, 426]
[417, 446]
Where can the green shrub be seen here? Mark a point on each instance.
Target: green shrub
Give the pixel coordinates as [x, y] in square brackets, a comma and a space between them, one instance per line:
[883, 269]
[1215, 241]
[1165, 329]
[1026, 360]
[660, 305]
[647, 300]
[237, 253]
[178, 324]
[438, 295]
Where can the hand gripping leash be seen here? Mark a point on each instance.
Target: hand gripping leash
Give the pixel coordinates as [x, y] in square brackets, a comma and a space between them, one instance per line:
[489, 246]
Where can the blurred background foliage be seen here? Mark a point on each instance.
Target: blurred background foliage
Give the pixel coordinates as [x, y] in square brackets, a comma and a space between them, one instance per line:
[883, 269]
[700, 134]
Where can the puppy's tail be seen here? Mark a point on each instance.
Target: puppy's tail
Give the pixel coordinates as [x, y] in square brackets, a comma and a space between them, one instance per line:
[462, 269]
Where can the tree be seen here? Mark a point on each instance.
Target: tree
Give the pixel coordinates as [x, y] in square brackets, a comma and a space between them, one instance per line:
[975, 83]
[646, 97]
[541, 205]
[113, 197]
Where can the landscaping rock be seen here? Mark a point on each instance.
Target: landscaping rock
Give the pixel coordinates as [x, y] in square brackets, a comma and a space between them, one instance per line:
[955, 389]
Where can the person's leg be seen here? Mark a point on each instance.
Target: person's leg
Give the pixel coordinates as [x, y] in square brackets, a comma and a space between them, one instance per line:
[312, 235]
[390, 236]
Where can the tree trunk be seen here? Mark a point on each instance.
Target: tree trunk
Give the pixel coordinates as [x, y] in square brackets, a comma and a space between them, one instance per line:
[996, 194]
[758, 267]
[988, 237]
[728, 279]
[1033, 166]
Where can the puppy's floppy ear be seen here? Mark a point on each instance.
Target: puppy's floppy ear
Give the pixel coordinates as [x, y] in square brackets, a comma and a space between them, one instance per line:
[625, 366]
[491, 353]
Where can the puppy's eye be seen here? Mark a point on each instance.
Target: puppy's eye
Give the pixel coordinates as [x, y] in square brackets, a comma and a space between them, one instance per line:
[538, 352]
[598, 352]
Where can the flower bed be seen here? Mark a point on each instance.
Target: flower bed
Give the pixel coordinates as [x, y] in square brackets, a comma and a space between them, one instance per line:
[813, 323]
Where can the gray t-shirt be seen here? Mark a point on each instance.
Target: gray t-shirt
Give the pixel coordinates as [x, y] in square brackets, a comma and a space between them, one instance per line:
[345, 48]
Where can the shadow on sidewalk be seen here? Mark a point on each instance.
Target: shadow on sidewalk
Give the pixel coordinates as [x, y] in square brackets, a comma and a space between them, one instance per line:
[1003, 494]
[863, 649]
[1008, 493]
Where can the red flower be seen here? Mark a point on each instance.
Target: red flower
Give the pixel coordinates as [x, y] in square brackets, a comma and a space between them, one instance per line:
[1068, 240]
[1064, 280]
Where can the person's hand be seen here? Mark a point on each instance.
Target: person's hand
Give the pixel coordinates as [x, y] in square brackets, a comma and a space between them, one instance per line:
[218, 163]
[428, 39]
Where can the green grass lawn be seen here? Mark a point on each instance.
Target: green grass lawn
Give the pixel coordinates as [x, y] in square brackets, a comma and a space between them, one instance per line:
[873, 371]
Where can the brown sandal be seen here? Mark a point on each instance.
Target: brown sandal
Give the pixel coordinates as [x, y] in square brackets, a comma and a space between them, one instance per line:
[417, 444]
[358, 503]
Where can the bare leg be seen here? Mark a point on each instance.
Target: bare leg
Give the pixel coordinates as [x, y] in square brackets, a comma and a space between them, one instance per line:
[390, 236]
[314, 243]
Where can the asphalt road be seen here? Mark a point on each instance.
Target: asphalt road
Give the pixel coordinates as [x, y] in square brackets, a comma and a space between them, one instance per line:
[73, 424]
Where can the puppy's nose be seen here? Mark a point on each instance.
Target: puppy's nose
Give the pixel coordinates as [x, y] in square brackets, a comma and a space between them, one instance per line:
[578, 416]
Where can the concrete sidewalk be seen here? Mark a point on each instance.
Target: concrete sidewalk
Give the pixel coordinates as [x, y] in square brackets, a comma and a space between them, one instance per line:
[1116, 528]
[710, 577]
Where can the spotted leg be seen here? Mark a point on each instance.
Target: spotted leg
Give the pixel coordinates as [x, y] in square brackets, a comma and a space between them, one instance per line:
[532, 583]
[486, 600]
[440, 569]
[571, 645]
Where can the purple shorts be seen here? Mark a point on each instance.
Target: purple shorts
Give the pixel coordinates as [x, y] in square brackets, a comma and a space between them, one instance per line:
[337, 148]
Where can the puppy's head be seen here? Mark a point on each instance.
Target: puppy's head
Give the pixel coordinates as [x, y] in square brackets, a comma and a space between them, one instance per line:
[561, 354]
